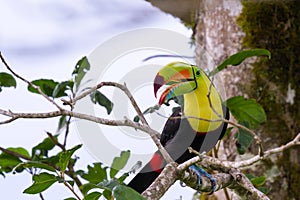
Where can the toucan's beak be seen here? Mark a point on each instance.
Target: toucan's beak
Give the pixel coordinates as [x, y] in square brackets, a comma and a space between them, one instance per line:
[179, 76]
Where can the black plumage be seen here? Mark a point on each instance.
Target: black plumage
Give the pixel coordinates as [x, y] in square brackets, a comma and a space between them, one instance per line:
[176, 137]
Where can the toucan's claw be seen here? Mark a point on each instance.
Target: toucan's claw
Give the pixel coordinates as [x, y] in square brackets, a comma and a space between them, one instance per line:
[201, 172]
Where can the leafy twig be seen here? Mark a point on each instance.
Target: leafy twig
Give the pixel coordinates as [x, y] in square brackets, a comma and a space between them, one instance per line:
[55, 141]
[13, 153]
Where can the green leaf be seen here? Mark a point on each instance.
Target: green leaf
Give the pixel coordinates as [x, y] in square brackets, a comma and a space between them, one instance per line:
[246, 110]
[41, 182]
[264, 190]
[8, 162]
[80, 70]
[102, 100]
[136, 118]
[95, 174]
[257, 181]
[65, 157]
[42, 148]
[85, 188]
[61, 88]
[244, 139]
[149, 110]
[119, 163]
[107, 194]
[123, 177]
[71, 198]
[93, 196]
[39, 165]
[121, 192]
[239, 57]
[71, 183]
[62, 122]
[20, 150]
[53, 159]
[7, 80]
[46, 85]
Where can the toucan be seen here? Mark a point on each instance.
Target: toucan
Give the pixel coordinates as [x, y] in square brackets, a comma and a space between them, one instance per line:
[197, 123]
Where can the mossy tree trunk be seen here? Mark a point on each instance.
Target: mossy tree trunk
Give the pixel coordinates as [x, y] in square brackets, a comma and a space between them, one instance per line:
[225, 27]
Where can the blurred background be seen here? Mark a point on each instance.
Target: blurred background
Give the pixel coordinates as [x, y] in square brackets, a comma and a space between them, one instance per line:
[45, 39]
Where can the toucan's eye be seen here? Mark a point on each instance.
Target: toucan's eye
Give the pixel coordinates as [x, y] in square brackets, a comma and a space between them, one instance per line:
[198, 72]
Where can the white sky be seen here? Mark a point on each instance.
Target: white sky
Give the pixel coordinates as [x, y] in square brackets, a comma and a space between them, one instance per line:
[44, 39]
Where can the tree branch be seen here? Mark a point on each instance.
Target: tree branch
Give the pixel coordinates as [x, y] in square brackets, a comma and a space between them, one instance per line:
[231, 175]
[126, 122]
[13, 153]
[28, 82]
[162, 183]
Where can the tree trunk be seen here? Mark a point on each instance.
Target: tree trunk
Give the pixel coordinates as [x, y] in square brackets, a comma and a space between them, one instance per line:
[274, 83]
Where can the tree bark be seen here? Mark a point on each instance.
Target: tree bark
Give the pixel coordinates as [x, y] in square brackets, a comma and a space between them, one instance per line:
[274, 84]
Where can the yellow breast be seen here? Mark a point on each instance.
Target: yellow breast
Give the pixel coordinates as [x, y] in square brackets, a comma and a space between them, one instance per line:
[196, 105]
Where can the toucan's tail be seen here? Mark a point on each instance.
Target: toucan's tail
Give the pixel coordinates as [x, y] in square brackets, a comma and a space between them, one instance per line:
[143, 179]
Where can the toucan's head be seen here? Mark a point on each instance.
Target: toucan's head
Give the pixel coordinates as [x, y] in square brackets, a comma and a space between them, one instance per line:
[181, 78]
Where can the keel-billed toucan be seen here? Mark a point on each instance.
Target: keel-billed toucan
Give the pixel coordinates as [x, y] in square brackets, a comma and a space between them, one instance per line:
[196, 124]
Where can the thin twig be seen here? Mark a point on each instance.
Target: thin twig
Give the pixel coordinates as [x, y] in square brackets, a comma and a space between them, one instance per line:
[41, 196]
[255, 136]
[117, 85]
[226, 165]
[28, 82]
[55, 141]
[67, 130]
[209, 100]
[72, 190]
[126, 122]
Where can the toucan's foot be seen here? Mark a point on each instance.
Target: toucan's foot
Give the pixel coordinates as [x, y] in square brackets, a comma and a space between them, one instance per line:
[201, 172]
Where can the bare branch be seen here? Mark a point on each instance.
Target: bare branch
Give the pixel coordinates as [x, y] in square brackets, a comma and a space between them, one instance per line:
[240, 183]
[254, 159]
[71, 189]
[117, 85]
[162, 183]
[15, 116]
[246, 187]
[224, 166]
[126, 122]
[28, 82]
[172, 172]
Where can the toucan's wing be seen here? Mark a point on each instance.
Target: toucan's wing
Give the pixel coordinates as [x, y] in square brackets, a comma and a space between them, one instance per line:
[224, 125]
[171, 127]
[152, 169]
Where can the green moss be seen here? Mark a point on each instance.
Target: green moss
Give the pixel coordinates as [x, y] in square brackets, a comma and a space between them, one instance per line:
[275, 25]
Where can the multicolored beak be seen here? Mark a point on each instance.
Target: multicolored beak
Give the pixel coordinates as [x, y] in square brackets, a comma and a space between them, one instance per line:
[179, 76]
